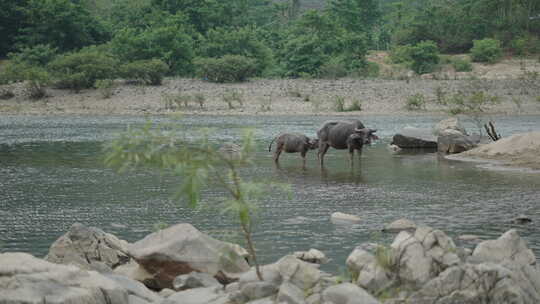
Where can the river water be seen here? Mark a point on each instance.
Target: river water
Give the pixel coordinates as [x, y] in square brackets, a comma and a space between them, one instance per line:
[52, 175]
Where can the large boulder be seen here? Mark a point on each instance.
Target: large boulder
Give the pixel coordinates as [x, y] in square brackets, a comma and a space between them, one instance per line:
[347, 293]
[89, 248]
[371, 272]
[27, 279]
[456, 143]
[204, 295]
[415, 138]
[421, 256]
[181, 249]
[450, 125]
[508, 247]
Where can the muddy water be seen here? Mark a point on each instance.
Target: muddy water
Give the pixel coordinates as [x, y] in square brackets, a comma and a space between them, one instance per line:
[51, 175]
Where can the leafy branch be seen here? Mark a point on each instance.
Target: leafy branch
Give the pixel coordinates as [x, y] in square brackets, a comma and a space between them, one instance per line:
[196, 163]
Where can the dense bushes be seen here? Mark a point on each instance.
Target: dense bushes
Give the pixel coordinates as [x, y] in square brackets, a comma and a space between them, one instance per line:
[148, 71]
[237, 41]
[421, 58]
[486, 50]
[229, 68]
[169, 44]
[79, 70]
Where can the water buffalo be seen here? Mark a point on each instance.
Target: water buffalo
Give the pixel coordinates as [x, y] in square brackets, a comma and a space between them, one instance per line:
[346, 134]
[293, 143]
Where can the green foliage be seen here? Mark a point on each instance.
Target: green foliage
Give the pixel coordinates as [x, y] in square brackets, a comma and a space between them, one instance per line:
[486, 50]
[425, 57]
[384, 257]
[105, 87]
[236, 41]
[195, 164]
[80, 70]
[416, 102]
[148, 71]
[339, 103]
[169, 44]
[461, 65]
[63, 24]
[371, 70]
[229, 68]
[526, 44]
[333, 69]
[37, 78]
[38, 55]
[402, 54]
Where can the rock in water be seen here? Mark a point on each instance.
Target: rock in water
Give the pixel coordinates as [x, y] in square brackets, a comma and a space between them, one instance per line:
[400, 225]
[344, 218]
[415, 138]
[181, 249]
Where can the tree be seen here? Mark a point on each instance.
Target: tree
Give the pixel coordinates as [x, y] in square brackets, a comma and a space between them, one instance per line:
[63, 24]
[11, 20]
[171, 44]
[356, 15]
[196, 165]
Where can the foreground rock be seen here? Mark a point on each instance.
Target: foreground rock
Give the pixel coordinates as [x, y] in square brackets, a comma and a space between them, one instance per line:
[26, 279]
[456, 143]
[519, 150]
[447, 126]
[89, 248]
[400, 225]
[415, 138]
[181, 249]
[425, 266]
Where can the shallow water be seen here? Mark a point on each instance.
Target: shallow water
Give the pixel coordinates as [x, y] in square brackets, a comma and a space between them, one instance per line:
[51, 176]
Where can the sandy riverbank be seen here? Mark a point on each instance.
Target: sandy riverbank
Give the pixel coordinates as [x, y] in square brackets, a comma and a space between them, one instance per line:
[518, 91]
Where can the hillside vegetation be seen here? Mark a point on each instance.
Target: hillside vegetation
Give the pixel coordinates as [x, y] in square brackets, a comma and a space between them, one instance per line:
[79, 44]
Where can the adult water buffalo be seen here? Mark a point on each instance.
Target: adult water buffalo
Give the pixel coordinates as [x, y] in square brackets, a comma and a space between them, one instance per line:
[293, 143]
[346, 134]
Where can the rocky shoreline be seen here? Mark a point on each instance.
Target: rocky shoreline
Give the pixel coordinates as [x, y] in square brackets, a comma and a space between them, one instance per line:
[273, 97]
[182, 265]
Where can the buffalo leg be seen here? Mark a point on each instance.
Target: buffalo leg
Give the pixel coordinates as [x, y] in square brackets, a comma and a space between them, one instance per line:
[303, 153]
[322, 151]
[279, 148]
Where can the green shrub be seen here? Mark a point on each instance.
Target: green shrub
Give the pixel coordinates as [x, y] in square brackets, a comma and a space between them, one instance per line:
[333, 69]
[11, 72]
[80, 70]
[169, 44]
[244, 41]
[339, 103]
[425, 57]
[371, 70]
[402, 54]
[229, 68]
[37, 80]
[525, 45]
[461, 65]
[148, 71]
[105, 87]
[416, 102]
[39, 55]
[486, 50]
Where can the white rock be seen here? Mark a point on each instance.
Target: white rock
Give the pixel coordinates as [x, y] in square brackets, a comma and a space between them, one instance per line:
[339, 218]
[400, 225]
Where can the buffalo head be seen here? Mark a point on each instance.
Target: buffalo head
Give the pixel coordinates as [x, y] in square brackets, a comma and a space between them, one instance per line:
[364, 135]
